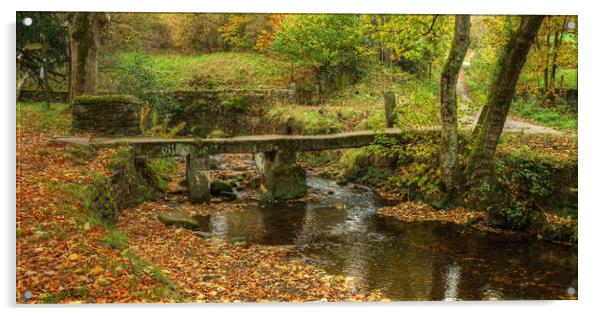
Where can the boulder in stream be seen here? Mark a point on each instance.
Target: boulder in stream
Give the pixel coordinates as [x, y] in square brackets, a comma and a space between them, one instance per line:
[218, 187]
[179, 219]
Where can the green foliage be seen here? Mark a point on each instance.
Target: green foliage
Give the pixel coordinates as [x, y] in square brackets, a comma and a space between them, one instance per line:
[240, 31]
[357, 165]
[217, 133]
[235, 103]
[517, 217]
[162, 170]
[417, 174]
[29, 61]
[218, 70]
[153, 126]
[121, 158]
[56, 298]
[524, 177]
[318, 41]
[79, 154]
[306, 120]
[136, 76]
[415, 42]
[116, 240]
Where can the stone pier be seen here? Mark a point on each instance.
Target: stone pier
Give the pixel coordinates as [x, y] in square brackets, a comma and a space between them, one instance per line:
[281, 177]
[198, 177]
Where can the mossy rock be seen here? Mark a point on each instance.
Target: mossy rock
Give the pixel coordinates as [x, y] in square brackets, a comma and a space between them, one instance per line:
[179, 219]
[218, 187]
[284, 182]
[100, 200]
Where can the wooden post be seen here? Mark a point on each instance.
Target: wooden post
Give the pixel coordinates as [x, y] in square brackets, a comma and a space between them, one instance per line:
[390, 108]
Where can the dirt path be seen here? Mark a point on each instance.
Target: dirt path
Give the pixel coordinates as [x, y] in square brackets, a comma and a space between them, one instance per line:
[511, 125]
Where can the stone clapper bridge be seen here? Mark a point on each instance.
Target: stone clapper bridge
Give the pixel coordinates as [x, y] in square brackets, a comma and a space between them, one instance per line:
[281, 177]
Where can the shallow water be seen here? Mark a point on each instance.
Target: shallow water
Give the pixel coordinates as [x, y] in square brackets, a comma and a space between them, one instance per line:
[406, 261]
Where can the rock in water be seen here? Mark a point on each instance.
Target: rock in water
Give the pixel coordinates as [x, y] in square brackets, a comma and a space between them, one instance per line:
[230, 196]
[179, 219]
[218, 187]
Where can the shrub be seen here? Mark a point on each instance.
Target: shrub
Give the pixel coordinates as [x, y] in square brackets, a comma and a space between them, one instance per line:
[136, 76]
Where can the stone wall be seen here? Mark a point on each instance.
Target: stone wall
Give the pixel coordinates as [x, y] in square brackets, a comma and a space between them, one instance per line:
[131, 183]
[107, 115]
[39, 96]
[232, 112]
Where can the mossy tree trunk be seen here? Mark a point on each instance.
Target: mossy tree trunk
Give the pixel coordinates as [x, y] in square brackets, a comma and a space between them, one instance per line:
[449, 104]
[85, 31]
[479, 168]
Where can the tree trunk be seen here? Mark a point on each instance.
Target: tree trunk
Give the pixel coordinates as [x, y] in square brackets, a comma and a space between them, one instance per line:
[480, 164]
[85, 30]
[546, 72]
[449, 104]
[557, 43]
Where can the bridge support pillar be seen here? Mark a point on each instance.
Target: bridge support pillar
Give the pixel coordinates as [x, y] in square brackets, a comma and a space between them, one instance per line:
[198, 178]
[281, 177]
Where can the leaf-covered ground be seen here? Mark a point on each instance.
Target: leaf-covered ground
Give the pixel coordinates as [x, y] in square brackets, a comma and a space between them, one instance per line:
[64, 255]
[421, 212]
[67, 255]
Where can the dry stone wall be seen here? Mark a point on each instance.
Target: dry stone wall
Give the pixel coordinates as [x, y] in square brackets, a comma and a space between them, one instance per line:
[107, 115]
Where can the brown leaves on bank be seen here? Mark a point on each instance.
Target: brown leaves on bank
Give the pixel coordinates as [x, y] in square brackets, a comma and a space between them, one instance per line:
[217, 270]
[62, 256]
[421, 212]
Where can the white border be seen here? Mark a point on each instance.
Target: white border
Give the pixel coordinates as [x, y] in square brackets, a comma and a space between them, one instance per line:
[590, 117]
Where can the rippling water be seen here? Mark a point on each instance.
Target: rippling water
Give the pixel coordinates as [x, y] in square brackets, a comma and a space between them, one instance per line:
[406, 261]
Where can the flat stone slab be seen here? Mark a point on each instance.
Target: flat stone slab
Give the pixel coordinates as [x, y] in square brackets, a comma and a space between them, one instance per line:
[179, 219]
[166, 147]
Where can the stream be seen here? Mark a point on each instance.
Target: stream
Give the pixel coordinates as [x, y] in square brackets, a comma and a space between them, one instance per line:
[343, 234]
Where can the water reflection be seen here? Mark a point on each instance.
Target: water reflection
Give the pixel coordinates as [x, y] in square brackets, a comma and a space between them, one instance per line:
[452, 280]
[406, 261]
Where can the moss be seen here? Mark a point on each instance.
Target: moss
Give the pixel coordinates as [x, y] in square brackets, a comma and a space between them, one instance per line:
[79, 154]
[100, 200]
[284, 182]
[161, 170]
[106, 99]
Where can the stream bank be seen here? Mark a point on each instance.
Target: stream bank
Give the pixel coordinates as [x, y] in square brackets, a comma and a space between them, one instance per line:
[336, 245]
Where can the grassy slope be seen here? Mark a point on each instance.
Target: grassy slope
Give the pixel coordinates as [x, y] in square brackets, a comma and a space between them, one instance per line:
[361, 105]
[222, 70]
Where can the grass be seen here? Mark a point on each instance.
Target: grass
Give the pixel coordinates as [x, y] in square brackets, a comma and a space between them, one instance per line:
[551, 117]
[220, 70]
[536, 80]
[162, 170]
[361, 106]
[57, 117]
[116, 240]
